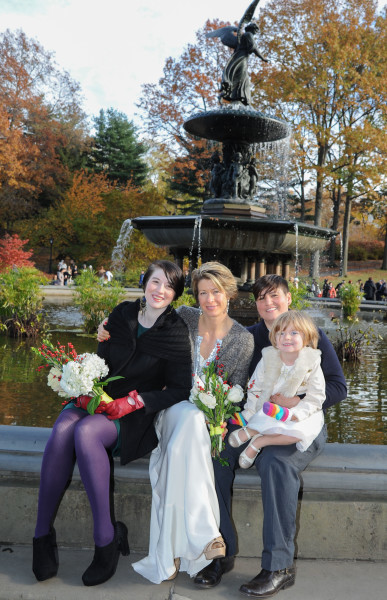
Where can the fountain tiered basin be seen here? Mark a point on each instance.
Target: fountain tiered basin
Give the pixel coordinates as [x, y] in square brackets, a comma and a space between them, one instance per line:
[267, 236]
[237, 124]
[250, 247]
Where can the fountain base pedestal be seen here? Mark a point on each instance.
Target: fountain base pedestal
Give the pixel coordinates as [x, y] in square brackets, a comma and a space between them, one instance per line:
[231, 206]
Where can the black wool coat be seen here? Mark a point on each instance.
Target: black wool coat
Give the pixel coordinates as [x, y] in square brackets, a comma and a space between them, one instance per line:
[160, 358]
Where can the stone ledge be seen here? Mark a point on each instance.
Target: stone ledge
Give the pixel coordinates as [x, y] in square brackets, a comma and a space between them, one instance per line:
[340, 467]
[66, 293]
[342, 508]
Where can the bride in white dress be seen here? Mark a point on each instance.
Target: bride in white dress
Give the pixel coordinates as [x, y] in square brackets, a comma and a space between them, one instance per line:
[184, 530]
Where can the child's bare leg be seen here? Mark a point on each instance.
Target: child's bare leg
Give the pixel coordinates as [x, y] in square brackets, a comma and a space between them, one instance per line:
[251, 432]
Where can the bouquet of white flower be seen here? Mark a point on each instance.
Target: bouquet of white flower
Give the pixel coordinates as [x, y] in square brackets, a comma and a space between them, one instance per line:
[72, 375]
[217, 399]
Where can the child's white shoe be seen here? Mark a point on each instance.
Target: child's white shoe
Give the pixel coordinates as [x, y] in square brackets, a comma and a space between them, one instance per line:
[235, 440]
[245, 461]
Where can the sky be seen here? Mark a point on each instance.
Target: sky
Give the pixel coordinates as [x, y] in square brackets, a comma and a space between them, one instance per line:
[112, 47]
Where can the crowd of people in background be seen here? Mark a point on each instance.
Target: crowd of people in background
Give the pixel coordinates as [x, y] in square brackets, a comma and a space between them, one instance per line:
[370, 290]
[375, 291]
[68, 272]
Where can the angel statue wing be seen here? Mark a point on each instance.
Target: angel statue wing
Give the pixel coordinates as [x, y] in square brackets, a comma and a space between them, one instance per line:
[246, 18]
[226, 35]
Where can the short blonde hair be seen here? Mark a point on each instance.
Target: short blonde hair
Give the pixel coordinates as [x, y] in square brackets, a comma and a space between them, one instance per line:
[301, 322]
[219, 274]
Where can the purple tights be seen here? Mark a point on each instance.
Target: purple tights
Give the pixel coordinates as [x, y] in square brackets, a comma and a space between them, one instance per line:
[89, 436]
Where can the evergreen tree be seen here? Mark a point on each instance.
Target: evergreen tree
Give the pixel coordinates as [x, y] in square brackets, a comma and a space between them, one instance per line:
[116, 151]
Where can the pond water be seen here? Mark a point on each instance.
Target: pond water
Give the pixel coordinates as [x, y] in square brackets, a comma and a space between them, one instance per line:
[25, 399]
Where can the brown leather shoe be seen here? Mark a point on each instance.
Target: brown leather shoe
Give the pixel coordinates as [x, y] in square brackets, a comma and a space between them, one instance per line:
[211, 575]
[268, 583]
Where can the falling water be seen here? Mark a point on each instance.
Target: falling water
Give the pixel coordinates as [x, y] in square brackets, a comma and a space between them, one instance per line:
[199, 240]
[197, 228]
[296, 263]
[282, 151]
[121, 246]
[274, 159]
[341, 254]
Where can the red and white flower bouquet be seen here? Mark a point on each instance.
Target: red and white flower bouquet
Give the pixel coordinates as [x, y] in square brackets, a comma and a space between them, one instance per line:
[72, 375]
[217, 400]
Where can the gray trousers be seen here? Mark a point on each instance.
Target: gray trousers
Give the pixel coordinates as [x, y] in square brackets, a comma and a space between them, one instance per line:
[279, 468]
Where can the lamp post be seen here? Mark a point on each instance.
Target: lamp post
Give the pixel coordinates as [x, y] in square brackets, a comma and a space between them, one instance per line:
[50, 263]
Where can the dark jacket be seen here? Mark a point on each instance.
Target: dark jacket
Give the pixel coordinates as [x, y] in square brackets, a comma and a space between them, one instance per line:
[159, 358]
[369, 290]
[336, 387]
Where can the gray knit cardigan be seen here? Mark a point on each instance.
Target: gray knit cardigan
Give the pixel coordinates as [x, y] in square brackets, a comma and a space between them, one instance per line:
[236, 350]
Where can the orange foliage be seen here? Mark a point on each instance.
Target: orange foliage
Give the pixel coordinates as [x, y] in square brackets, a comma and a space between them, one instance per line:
[12, 253]
[84, 197]
[39, 112]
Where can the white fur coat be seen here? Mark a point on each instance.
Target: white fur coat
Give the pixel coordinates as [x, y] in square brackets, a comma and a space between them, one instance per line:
[271, 376]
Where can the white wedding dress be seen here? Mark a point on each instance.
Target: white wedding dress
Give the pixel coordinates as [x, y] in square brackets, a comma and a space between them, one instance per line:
[185, 510]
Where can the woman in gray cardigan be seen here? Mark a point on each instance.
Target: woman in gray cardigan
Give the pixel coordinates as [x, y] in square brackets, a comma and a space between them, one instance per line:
[184, 532]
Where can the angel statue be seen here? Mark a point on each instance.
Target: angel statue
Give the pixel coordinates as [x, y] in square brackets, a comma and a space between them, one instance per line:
[235, 84]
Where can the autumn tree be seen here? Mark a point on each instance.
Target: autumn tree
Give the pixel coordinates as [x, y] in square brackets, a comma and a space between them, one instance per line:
[189, 85]
[86, 221]
[374, 208]
[42, 126]
[12, 253]
[116, 150]
[327, 76]
[70, 220]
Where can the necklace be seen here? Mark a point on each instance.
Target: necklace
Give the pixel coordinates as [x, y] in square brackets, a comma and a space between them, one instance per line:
[198, 367]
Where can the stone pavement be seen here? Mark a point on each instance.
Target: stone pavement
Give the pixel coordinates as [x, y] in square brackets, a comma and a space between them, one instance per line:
[316, 580]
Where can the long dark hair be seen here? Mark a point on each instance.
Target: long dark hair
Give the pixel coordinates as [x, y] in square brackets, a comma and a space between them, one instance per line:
[172, 272]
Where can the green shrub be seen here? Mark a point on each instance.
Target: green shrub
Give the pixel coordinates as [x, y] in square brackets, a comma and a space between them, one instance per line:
[21, 303]
[95, 299]
[350, 299]
[299, 296]
[131, 277]
[185, 298]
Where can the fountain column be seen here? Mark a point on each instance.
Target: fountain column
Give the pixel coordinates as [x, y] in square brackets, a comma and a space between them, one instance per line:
[252, 275]
[270, 270]
[262, 268]
[286, 271]
[244, 270]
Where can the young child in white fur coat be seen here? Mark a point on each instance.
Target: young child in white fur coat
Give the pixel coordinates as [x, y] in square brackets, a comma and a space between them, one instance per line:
[274, 413]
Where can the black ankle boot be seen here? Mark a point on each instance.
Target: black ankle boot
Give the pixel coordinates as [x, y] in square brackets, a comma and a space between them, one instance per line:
[45, 561]
[105, 559]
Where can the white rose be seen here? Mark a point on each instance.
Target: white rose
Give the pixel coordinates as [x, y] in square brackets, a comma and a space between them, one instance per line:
[208, 399]
[53, 380]
[236, 394]
[197, 387]
[226, 387]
